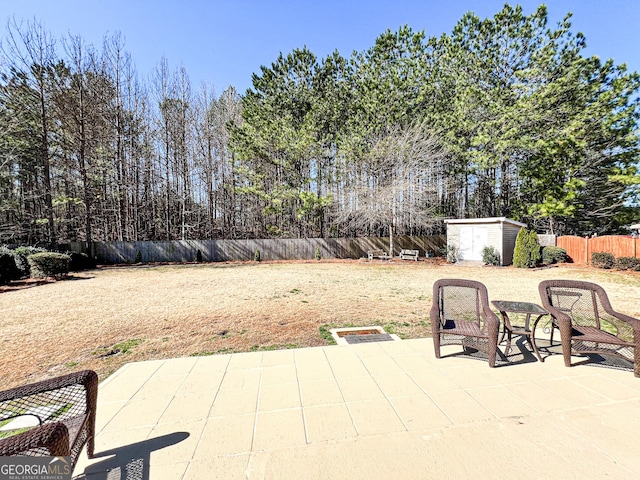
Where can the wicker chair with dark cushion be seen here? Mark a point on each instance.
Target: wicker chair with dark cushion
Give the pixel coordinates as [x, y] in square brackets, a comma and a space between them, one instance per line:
[64, 411]
[587, 322]
[461, 315]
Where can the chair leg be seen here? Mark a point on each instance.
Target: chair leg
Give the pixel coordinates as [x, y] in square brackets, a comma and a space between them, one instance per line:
[90, 446]
[504, 332]
[565, 338]
[492, 354]
[494, 331]
[636, 353]
[436, 344]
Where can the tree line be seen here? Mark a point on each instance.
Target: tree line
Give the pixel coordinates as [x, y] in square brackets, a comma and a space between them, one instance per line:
[503, 117]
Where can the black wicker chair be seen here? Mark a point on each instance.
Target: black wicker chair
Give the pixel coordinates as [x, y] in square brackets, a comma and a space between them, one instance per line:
[588, 323]
[65, 411]
[461, 315]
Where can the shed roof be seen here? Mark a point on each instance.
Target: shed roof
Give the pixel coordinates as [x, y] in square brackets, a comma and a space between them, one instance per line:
[486, 220]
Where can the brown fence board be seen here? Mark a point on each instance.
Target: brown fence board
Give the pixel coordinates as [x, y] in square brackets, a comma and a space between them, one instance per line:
[580, 249]
[270, 249]
[576, 248]
[617, 245]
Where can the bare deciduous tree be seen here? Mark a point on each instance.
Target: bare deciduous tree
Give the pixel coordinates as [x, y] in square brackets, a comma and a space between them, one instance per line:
[400, 182]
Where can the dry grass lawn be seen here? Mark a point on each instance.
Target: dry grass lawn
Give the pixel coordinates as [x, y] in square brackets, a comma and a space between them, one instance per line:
[105, 318]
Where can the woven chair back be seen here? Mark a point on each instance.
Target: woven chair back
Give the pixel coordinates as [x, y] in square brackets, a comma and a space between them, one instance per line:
[587, 304]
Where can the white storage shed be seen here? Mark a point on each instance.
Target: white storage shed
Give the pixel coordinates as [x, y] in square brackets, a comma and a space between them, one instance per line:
[470, 236]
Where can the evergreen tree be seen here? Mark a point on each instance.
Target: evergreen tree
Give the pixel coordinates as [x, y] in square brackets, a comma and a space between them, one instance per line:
[521, 250]
[535, 251]
[527, 252]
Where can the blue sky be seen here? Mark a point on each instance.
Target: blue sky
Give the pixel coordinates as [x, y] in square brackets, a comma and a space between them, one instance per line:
[224, 42]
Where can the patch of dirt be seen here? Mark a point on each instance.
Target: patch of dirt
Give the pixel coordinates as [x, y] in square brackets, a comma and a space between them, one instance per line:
[144, 312]
[25, 283]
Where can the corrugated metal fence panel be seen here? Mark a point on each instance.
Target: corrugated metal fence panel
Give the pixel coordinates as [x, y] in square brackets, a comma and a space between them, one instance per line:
[270, 249]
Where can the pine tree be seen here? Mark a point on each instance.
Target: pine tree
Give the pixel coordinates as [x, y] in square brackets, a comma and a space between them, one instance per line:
[535, 255]
[521, 251]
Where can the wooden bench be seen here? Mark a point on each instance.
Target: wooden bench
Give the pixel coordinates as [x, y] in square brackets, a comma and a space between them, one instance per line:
[409, 254]
[381, 254]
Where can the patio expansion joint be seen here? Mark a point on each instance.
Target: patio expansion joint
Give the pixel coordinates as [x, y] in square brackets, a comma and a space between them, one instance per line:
[255, 419]
[427, 395]
[301, 400]
[424, 392]
[206, 419]
[344, 400]
[387, 397]
[106, 382]
[215, 396]
[173, 398]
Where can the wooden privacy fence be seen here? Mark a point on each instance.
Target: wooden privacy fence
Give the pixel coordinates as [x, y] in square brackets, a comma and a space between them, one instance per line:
[270, 249]
[580, 249]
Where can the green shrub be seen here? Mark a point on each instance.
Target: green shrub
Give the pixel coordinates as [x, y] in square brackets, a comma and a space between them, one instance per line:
[535, 254]
[256, 256]
[7, 268]
[628, 263]
[317, 254]
[451, 253]
[603, 260]
[199, 256]
[490, 256]
[551, 255]
[20, 255]
[81, 261]
[138, 257]
[521, 251]
[49, 264]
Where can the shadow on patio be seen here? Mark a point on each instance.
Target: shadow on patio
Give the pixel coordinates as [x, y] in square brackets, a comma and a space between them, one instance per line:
[129, 462]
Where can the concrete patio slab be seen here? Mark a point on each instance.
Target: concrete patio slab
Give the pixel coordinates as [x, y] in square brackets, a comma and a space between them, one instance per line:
[385, 410]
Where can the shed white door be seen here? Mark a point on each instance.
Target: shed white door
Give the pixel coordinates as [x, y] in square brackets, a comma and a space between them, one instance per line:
[472, 240]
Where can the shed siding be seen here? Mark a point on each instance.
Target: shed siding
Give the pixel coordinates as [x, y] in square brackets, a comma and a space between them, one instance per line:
[494, 237]
[501, 234]
[453, 236]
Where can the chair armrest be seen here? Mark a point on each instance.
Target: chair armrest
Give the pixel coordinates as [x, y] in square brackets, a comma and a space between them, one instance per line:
[634, 322]
[491, 320]
[489, 316]
[87, 378]
[87, 403]
[54, 437]
[558, 315]
[434, 313]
